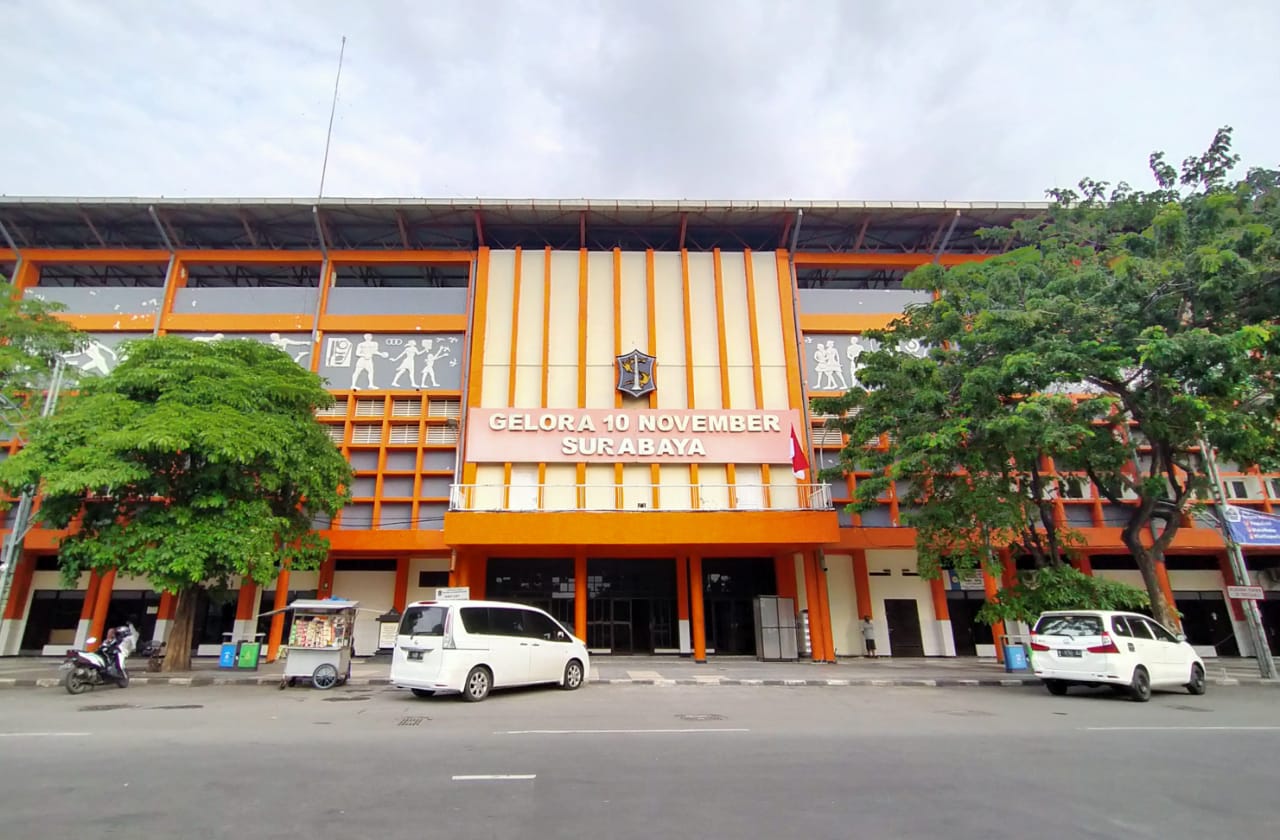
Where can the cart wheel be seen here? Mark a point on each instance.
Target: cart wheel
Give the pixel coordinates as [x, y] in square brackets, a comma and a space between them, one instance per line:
[324, 677]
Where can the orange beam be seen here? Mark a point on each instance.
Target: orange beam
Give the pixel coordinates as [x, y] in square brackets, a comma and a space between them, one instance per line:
[392, 323]
[225, 322]
[59, 256]
[850, 323]
[649, 528]
[426, 256]
[399, 541]
[98, 322]
[871, 259]
[249, 256]
[8, 255]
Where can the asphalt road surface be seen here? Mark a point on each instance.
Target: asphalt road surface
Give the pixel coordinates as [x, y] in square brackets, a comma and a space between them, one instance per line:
[621, 762]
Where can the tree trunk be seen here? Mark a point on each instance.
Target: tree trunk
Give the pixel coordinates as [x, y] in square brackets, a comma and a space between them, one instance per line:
[1164, 612]
[177, 656]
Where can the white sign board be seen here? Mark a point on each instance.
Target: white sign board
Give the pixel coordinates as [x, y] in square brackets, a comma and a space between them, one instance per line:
[453, 593]
[1245, 593]
[387, 634]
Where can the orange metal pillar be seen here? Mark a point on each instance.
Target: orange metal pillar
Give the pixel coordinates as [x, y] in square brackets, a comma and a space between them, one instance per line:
[400, 597]
[684, 639]
[997, 629]
[324, 587]
[580, 596]
[276, 634]
[696, 587]
[101, 603]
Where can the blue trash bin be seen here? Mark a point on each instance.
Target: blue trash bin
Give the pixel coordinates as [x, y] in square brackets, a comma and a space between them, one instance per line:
[1015, 658]
[227, 656]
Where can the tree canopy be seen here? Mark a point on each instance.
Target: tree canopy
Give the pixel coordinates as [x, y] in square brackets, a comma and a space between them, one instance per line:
[191, 464]
[32, 337]
[1126, 328]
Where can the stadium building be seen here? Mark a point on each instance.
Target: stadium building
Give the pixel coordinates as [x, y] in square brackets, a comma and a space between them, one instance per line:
[596, 407]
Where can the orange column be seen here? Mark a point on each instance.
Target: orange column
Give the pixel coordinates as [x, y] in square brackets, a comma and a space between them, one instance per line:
[824, 603]
[699, 628]
[861, 584]
[1083, 564]
[246, 604]
[275, 636]
[20, 588]
[324, 587]
[101, 602]
[167, 609]
[813, 603]
[90, 597]
[997, 629]
[401, 595]
[1162, 575]
[682, 602]
[784, 573]
[580, 595]
[940, 609]
[475, 576]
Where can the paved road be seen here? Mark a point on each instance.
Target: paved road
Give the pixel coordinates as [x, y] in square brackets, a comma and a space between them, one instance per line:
[621, 762]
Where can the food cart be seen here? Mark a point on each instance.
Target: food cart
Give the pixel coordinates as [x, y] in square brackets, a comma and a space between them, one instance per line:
[321, 639]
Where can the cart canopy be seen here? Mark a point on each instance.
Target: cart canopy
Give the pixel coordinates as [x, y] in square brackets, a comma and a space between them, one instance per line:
[316, 605]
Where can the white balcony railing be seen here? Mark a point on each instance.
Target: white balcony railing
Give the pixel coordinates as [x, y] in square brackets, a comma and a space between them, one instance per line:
[639, 497]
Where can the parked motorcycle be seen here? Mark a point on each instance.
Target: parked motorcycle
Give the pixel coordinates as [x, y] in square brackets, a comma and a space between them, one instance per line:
[86, 669]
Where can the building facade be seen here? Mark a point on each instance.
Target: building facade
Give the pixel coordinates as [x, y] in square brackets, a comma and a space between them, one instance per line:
[593, 407]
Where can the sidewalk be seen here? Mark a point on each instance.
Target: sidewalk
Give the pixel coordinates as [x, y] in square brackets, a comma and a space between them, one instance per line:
[29, 672]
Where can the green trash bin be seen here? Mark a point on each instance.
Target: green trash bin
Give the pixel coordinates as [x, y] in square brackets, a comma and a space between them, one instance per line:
[250, 653]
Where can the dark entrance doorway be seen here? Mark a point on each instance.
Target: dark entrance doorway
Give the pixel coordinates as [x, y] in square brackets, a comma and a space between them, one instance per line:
[967, 631]
[52, 619]
[1270, 613]
[1206, 621]
[729, 586]
[903, 617]
[631, 605]
[543, 583]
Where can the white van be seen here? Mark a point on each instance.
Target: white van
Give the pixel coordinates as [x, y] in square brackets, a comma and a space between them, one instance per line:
[474, 646]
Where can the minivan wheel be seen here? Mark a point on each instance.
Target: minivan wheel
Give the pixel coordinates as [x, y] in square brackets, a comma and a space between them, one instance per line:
[1056, 687]
[1140, 688]
[422, 692]
[476, 688]
[572, 676]
[1197, 684]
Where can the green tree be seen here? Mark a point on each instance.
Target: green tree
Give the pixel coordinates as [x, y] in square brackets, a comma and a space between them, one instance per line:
[1154, 310]
[32, 337]
[190, 464]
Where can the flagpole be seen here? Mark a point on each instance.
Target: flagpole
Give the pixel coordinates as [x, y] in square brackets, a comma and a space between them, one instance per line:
[1266, 665]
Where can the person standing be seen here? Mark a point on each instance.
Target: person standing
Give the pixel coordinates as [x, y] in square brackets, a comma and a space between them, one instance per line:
[869, 636]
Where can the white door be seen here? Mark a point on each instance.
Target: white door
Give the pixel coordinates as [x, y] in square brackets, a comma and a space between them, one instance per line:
[550, 648]
[508, 645]
[1175, 667]
[1145, 650]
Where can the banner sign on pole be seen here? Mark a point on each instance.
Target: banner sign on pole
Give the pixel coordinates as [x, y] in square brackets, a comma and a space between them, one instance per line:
[1251, 527]
[1246, 593]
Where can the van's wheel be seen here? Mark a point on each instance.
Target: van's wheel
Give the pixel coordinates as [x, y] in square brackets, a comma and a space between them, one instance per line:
[572, 676]
[1140, 688]
[1197, 685]
[324, 676]
[422, 692]
[1056, 687]
[479, 681]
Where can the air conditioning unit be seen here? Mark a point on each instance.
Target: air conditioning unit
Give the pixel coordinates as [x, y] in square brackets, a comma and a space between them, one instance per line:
[1270, 578]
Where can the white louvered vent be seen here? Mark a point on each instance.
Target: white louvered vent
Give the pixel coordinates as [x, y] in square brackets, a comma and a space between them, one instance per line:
[338, 409]
[335, 432]
[404, 434]
[406, 408]
[366, 434]
[369, 408]
[442, 434]
[450, 409]
[824, 436]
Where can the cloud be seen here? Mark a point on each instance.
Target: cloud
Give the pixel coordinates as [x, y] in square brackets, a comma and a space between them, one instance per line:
[662, 99]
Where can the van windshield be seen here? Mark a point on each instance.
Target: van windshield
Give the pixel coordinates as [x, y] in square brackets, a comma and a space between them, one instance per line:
[423, 621]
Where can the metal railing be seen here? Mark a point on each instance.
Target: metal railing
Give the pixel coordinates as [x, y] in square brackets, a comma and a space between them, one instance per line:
[639, 497]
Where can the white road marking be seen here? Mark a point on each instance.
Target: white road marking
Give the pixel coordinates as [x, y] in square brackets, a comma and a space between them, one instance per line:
[494, 778]
[43, 734]
[615, 731]
[1182, 728]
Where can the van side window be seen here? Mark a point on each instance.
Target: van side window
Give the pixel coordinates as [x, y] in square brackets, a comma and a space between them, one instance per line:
[1161, 633]
[506, 622]
[539, 626]
[1121, 626]
[476, 620]
[1140, 629]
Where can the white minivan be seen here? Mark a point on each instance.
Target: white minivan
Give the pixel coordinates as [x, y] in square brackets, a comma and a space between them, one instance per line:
[474, 646]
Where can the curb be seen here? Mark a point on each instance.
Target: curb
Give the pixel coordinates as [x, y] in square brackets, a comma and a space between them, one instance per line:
[922, 682]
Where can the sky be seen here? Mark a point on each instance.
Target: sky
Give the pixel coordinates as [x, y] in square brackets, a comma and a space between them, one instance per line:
[692, 99]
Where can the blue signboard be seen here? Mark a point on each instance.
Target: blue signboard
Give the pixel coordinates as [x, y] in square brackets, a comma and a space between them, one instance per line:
[1251, 527]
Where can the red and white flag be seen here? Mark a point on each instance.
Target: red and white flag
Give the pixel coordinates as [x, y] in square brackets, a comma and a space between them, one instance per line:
[799, 463]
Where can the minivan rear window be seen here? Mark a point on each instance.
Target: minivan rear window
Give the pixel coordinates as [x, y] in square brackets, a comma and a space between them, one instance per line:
[1069, 625]
[423, 621]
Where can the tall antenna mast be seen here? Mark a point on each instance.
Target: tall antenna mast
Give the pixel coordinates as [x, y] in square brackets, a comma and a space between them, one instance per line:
[329, 135]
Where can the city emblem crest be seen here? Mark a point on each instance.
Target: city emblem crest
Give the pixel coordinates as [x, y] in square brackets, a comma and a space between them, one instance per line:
[636, 373]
